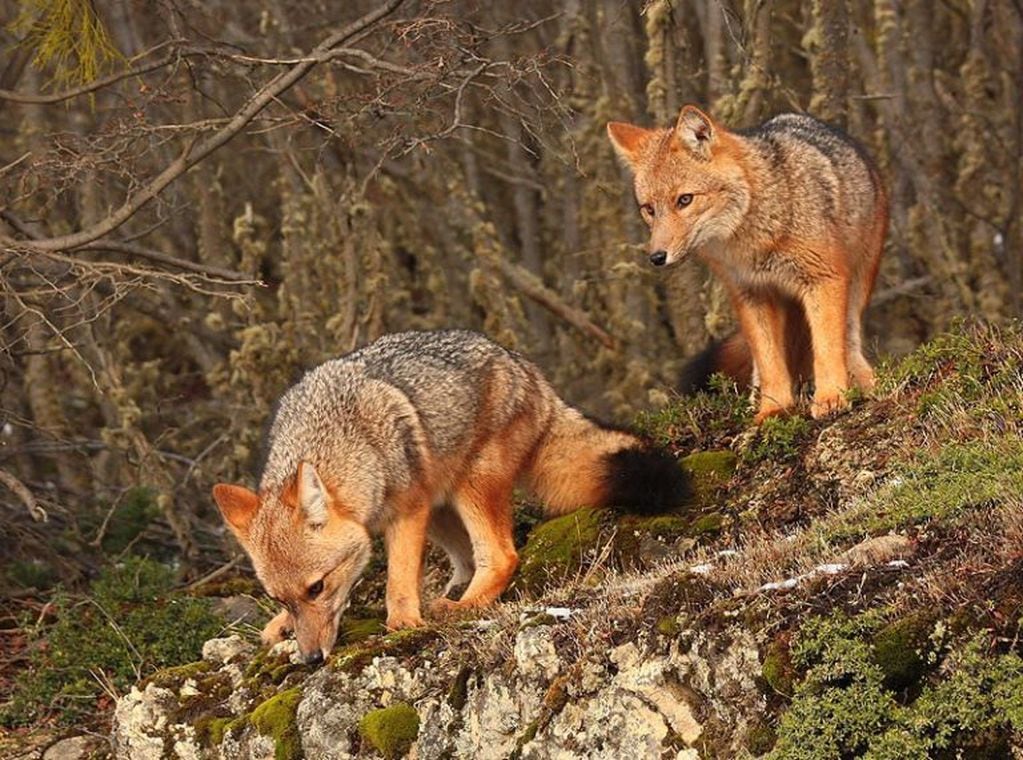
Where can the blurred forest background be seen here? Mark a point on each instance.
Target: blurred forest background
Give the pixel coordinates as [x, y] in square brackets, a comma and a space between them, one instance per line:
[200, 199]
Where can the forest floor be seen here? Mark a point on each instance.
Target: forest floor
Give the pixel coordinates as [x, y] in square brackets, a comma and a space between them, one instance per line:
[839, 588]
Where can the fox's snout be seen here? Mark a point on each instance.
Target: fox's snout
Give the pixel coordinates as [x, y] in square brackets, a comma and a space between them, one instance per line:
[659, 258]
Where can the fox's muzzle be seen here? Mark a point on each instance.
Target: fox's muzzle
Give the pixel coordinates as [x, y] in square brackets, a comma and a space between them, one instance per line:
[659, 258]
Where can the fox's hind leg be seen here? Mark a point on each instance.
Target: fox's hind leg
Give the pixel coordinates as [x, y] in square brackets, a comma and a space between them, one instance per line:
[448, 532]
[860, 288]
[484, 504]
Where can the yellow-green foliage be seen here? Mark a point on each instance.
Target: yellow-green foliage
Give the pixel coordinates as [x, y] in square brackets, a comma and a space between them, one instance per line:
[558, 547]
[778, 439]
[940, 487]
[129, 623]
[276, 718]
[709, 471]
[844, 706]
[391, 730]
[68, 37]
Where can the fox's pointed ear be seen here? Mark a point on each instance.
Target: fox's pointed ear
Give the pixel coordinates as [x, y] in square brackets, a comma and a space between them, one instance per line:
[696, 131]
[237, 504]
[627, 139]
[312, 495]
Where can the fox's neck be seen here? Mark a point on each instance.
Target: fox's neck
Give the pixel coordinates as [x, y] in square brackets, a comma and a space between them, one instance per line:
[767, 216]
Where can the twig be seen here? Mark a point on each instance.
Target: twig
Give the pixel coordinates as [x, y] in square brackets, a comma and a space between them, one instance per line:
[212, 576]
[21, 491]
[98, 84]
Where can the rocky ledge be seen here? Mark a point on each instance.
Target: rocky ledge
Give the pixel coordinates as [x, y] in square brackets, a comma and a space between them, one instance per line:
[838, 589]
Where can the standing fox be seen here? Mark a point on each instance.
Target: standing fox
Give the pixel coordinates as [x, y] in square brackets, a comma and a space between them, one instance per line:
[791, 216]
[421, 434]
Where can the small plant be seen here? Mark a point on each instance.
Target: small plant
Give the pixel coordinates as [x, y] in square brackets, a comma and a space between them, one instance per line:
[777, 439]
[126, 627]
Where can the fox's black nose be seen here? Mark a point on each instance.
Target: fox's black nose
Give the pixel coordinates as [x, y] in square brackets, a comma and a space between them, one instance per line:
[314, 658]
[657, 258]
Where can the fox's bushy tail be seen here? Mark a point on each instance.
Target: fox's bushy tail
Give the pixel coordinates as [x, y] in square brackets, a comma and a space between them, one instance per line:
[581, 463]
[730, 357]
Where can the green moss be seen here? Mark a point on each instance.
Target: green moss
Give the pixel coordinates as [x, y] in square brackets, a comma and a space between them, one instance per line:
[709, 472]
[777, 670]
[176, 676]
[155, 629]
[900, 650]
[760, 738]
[668, 626]
[216, 729]
[707, 525]
[391, 730]
[778, 439]
[558, 548]
[31, 574]
[844, 706]
[276, 718]
[359, 629]
[354, 657]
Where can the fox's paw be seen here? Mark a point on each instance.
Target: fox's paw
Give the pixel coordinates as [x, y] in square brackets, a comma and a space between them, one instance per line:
[825, 406]
[396, 622]
[770, 410]
[278, 629]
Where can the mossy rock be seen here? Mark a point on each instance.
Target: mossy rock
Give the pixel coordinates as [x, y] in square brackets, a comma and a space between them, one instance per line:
[558, 548]
[354, 630]
[171, 678]
[777, 669]
[706, 526]
[276, 718]
[391, 730]
[760, 738]
[354, 657]
[709, 472]
[899, 649]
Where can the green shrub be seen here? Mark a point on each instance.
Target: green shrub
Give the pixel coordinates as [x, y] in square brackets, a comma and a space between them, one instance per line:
[127, 626]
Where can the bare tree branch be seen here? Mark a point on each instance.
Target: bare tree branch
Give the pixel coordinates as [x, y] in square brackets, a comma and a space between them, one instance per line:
[99, 84]
[194, 153]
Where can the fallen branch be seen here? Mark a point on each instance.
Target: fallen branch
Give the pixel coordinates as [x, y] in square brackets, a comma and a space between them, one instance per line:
[20, 490]
[532, 287]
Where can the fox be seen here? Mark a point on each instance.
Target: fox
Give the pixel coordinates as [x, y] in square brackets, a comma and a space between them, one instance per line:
[791, 217]
[422, 436]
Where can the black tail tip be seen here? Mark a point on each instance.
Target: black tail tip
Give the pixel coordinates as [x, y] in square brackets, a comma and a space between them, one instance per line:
[646, 481]
[696, 373]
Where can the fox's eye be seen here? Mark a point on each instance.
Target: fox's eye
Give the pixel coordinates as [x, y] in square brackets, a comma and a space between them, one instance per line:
[646, 210]
[315, 590]
[684, 200]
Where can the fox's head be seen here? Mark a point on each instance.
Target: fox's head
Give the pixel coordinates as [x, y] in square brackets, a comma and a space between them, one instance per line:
[691, 186]
[306, 553]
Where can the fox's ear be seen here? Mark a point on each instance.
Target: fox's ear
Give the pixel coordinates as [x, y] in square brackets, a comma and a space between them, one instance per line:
[237, 504]
[312, 495]
[627, 140]
[696, 131]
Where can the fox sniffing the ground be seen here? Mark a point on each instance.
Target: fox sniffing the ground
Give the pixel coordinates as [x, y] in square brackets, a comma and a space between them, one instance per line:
[422, 434]
[791, 216]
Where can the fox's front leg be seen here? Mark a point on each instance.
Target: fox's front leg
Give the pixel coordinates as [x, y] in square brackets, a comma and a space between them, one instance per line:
[405, 540]
[278, 629]
[763, 323]
[826, 313]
